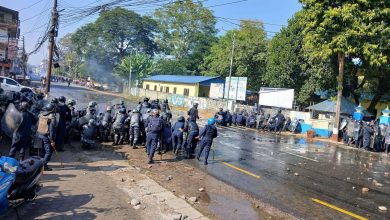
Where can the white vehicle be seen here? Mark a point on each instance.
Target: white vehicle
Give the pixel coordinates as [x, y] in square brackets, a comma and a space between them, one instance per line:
[8, 84]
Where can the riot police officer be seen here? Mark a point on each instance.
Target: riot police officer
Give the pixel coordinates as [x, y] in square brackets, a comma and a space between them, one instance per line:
[154, 130]
[177, 134]
[165, 106]
[192, 130]
[21, 139]
[135, 128]
[65, 116]
[118, 126]
[47, 129]
[207, 135]
[193, 112]
[88, 134]
[106, 124]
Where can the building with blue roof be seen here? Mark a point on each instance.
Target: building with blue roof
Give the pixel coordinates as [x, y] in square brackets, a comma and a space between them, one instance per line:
[195, 86]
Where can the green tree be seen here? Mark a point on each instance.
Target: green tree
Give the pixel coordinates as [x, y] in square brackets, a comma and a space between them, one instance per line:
[111, 37]
[187, 32]
[170, 67]
[346, 28]
[142, 65]
[288, 67]
[249, 54]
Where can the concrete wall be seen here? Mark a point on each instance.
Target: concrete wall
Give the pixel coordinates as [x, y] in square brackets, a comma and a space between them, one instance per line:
[193, 88]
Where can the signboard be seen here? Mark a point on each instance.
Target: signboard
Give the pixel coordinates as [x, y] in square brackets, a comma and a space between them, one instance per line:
[216, 90]
[276, 97]
[237, 89]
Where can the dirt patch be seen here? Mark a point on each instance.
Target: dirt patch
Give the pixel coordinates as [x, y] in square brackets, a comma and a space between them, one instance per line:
[217, 200]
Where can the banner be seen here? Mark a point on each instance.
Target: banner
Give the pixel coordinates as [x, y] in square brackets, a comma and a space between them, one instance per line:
[237, 89]
[276, 97]
[216, 90]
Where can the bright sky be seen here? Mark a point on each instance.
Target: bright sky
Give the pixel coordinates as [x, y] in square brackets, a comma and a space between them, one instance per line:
[34, 15]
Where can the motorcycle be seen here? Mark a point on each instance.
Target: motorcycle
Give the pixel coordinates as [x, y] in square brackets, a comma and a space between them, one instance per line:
[19, 182]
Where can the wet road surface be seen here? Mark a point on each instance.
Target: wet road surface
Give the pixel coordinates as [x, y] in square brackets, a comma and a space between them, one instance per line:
[308, 180]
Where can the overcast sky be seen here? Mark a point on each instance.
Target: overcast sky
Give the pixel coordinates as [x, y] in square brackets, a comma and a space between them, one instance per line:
[34, 15]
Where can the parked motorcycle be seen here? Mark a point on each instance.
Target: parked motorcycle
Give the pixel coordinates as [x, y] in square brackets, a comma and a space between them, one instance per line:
[19, 182]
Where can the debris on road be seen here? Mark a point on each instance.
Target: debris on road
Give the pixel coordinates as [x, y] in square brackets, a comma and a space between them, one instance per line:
[296, 174]
[176, 216]
[135, 202]
[192, 199]
[382, 208]
[201, 189]
[168, 178]
[123, 180]
[365, 190]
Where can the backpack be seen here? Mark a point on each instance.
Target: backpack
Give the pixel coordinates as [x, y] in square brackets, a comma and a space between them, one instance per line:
[154, 125]
[43, 125]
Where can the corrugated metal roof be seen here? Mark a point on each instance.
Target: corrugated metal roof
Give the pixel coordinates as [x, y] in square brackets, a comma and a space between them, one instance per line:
[347, 107]
[180, 78]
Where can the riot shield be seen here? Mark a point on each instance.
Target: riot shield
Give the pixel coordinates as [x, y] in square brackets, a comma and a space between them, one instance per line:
[11, 120]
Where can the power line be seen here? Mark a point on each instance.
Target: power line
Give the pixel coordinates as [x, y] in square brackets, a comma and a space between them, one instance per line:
[32, 5]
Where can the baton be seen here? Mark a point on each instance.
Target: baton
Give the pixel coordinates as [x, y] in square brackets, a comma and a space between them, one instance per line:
[58, 155]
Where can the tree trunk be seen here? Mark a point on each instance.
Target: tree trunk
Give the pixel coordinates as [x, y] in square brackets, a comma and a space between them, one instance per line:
[341, 59]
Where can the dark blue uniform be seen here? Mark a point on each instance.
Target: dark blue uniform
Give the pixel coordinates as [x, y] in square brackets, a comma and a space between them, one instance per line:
[193, 113]
[65, 116]
[192, 130]
[48, 137]
[177, 135]
[367, 133]
[208, 133]
[21, 138]
[153, 136]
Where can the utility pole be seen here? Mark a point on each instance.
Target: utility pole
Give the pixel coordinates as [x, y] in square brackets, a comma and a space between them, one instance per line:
[52, 35]
[341, 59]
[131, 53]
[231, 70]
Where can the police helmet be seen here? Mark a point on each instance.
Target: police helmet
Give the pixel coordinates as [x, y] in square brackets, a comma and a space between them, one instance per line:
[40, 96]
[280, 111]
[155, 112]
[54, 101]
[195, 104]
[109, 108]
[135, 110]
[146, 99]
[17, 96]
[221, 109]
[180, 118]
[157, 100]
[91, 104]
[166, 101]
[24, 106]
[71, 102]
[149, 110]
[62, 99]
[211, 121]
[49, 107]
[122, 110]
[91, 122]
[122, 102]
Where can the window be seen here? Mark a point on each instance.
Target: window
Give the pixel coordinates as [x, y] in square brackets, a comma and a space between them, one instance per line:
[186, 92]
[161, 88]
[174, 90]
[167, 89]
[155, 88]
[147, 86]
[11, 82]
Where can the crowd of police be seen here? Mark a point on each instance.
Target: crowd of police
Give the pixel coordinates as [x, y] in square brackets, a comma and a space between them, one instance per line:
[57, 120]
[257, 119]
[371, 136]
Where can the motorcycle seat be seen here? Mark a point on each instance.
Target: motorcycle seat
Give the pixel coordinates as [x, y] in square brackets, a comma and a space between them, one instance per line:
[28, 169]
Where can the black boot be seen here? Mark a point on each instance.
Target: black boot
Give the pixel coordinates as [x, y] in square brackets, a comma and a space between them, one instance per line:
[47, 168]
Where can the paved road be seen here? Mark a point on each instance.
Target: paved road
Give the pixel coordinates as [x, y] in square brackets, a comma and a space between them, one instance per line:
[308, 180]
